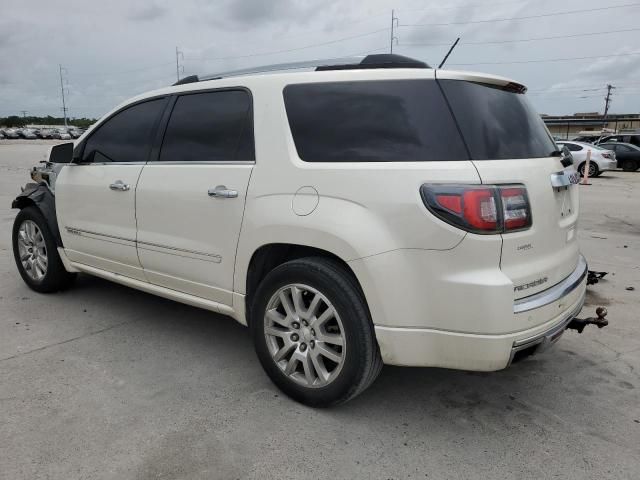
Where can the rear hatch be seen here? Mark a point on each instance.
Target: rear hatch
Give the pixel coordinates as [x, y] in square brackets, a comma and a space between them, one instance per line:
[508, 143]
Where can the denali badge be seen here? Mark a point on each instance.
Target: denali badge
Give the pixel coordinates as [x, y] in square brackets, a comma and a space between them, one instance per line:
[535, 283]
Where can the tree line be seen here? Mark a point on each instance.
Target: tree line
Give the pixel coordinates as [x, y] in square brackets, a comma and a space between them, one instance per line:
[16, 121]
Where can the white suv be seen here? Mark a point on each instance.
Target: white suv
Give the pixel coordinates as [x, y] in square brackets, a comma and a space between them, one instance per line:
[362, 212]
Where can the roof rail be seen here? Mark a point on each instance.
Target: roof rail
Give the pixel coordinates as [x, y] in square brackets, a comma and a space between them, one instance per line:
[346, 63]
[309, 64]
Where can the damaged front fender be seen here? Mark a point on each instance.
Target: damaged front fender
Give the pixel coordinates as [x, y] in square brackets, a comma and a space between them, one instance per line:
[40, 196]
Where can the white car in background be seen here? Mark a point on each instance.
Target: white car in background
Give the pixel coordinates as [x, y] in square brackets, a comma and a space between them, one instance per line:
[601, 159]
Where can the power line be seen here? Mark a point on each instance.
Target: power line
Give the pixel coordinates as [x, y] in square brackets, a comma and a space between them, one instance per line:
[585, 88]
[274, 52]
[492, 20]
[532, 39]
[457, 7]
[548, 59]
[122, 72]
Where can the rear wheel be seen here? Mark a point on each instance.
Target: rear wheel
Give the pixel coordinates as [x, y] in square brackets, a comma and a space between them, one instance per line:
[593, 169]
[36, 254]
[313, 333]
[630, 165]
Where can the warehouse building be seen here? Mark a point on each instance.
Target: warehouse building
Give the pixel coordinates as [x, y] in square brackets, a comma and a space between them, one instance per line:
[571, 126]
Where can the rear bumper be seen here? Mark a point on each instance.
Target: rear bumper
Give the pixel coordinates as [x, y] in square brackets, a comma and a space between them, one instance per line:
[555, 293]
[471, 351]
[608, 165]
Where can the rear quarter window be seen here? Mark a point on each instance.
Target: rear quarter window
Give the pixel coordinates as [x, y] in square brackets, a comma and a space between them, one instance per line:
[372, 121]
[497, 124]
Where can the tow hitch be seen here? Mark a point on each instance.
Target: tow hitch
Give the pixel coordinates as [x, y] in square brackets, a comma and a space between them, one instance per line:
[579, 323]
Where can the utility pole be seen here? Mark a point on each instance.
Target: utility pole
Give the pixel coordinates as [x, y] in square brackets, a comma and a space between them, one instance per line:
[24, 113]
[64, 105]
[607, 100]
[394, 24]
[179, 68]
[607, 103]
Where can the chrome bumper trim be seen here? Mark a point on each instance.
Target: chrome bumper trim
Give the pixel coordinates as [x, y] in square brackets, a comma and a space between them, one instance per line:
[549, 337]
[554, 293]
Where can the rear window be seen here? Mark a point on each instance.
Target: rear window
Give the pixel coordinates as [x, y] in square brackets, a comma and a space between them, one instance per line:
[209, 126]
[497, 124]
[372, 121]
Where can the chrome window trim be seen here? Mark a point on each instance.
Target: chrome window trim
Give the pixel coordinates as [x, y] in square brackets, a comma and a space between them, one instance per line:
[204, 162]
[554, 293]
[88, 164]
[194, 162]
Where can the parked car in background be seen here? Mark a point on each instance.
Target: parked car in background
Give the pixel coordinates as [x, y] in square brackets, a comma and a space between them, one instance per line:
[27, 133]
[633, 138]
[627, 154]
[601, 158]
[60, 134]
[11, 133]
[586, 138]
[45, 133]
[64, 134]
[1, 135]
[75, 132]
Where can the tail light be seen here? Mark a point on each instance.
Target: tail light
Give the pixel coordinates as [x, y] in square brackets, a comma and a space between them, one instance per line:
[484, 209]
[607, 155]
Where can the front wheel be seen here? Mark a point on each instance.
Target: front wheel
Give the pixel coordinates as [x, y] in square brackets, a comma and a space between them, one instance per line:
[36, 254]
[313, 333]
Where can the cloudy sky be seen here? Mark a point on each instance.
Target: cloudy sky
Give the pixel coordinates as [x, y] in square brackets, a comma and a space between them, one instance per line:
[112, 50]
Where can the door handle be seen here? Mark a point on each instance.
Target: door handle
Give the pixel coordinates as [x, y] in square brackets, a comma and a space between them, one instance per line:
[119, 186]
[222, 192]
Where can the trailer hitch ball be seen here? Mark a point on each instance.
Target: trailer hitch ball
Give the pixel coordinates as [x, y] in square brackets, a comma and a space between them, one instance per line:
[599, 321]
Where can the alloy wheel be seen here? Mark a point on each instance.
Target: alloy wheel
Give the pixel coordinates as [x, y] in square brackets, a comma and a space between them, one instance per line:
[305, 335]
[32, 250]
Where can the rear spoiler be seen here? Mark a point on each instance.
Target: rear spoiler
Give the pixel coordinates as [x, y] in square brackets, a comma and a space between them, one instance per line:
[486, 79]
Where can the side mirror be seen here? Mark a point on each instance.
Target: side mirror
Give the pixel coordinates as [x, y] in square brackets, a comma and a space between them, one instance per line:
[62, 153]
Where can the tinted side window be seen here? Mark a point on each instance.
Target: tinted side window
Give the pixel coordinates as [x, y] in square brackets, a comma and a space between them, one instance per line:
[497, 124]
[372, 121]
[210, 126]
[125, 137]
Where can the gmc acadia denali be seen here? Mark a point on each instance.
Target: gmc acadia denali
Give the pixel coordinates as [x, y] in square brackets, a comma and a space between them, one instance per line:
[351, 213]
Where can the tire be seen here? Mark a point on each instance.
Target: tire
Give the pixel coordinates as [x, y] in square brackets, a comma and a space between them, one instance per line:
[630, 165]
[339, 372]
[40, 243]
[593, 169]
